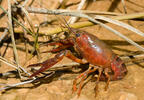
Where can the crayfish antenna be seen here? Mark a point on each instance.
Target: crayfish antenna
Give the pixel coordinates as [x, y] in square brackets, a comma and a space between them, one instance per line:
[65, 24]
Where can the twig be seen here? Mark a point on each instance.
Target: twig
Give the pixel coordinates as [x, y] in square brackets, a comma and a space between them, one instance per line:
[17, 84]
[74, 19]
[135, 56]
[4, 34]
[12, 65]
[66, 12]
[129, 16]
[25, 43]
[113, 21]
[12, 36]
[28, 19]
[32, 1]
[81, 4]
[26, 1]
[123, 3]
[7, 62]
[62, 4]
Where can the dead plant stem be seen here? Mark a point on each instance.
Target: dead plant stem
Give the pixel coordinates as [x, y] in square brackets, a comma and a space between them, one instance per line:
[12, 36]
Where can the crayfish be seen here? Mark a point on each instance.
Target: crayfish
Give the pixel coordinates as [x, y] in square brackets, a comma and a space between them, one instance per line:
[91, 50]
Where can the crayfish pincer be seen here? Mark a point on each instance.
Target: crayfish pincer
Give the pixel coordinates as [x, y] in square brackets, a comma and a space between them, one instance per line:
[93, 51]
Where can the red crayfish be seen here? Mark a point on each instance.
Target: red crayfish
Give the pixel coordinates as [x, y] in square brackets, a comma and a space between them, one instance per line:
[93, 51]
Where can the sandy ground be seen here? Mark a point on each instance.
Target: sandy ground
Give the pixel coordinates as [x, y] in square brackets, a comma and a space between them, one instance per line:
[59, 87]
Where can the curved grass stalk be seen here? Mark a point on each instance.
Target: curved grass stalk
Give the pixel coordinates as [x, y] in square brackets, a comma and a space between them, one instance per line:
[124, 25]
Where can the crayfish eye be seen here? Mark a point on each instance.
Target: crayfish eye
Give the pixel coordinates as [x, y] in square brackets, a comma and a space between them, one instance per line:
[77, 34]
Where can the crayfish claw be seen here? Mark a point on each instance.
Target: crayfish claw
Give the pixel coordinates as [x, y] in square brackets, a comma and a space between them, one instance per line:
[35, 65]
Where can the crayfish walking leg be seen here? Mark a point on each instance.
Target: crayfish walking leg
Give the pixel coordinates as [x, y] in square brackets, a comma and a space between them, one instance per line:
[62, 45]
[107, 76]
[100, 69]
[84, 75]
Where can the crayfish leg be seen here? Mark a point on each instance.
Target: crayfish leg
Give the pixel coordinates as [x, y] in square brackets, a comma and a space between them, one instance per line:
[60, 42]
[58, 49]
[81, 83]
[106, 70]
[52, 44]
[63, 44]
[100, 69]
[83, 75]
[50, 62]
[79, 76]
